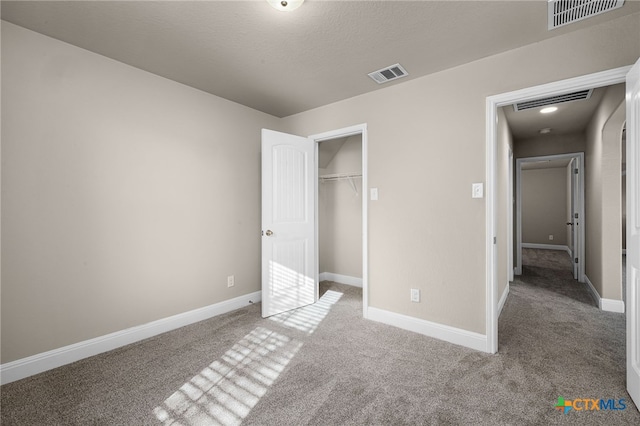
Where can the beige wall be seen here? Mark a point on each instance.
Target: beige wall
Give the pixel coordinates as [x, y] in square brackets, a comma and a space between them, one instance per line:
[504, 145]
[340, 214]
[426, 153]
[544, 206]
[549, 145]
[126, 197]
[603, 197]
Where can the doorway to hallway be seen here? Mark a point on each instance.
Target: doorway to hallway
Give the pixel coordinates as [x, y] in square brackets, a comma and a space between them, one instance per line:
[550, 208]
[551, 270]
[631, 76]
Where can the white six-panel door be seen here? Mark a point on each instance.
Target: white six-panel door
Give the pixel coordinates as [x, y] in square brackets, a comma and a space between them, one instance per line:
[633, 233]
[289, 268]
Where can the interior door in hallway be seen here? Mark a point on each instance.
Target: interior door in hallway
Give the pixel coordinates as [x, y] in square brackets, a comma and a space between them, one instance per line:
[633, 233]
[289, 270]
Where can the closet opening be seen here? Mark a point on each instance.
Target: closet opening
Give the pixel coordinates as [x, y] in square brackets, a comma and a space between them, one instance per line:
[340, 194]
[342, 210]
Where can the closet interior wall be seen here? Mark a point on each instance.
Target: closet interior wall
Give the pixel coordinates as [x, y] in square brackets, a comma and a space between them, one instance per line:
[340, 207]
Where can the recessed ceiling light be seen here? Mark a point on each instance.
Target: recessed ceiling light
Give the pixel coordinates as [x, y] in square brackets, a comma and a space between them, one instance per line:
[545, 130]
[547, 110]
[285, 5]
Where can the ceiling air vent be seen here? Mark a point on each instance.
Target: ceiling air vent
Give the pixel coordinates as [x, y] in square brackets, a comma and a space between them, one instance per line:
[392, 72]
[568, 97]
[564, 12]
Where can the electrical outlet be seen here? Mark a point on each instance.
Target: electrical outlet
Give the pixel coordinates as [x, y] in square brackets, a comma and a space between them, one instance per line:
[415, 295]
[550, 237]
[231, 281]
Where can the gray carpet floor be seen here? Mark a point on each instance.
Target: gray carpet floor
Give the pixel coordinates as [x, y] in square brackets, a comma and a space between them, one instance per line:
[325, 365]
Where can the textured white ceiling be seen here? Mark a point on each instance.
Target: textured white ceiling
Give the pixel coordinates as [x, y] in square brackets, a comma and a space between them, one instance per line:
[285, 63]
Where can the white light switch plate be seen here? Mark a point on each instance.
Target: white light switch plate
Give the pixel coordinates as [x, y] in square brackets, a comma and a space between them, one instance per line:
[374, 194]
[477, 190]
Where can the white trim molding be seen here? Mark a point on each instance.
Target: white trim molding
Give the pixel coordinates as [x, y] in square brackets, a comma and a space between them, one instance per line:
[592, 290]
[503, 299]
[25, 367]
[341, 279]
[447, 333]
[608, 305]
[611, 305]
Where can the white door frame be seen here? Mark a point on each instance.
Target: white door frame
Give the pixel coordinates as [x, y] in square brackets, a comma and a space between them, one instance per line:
[632, 94]
[579, 157]
[358, 129]
[510, 211]
[577, 201]
[600, 79]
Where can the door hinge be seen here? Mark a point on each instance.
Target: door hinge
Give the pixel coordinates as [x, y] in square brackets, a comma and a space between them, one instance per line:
[575, 171]
[495, 240]
[575, 215]
[576, 260]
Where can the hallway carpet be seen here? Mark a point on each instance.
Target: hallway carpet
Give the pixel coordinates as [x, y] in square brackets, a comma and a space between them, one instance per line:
[552, 270]
[325, 365]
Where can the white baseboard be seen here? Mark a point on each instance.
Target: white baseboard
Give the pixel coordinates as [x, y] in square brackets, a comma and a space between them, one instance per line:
[592, 290]
[25, 367]
[547, 247]
[447, 333]
[609, 305]
[341, 279]
[503, 299]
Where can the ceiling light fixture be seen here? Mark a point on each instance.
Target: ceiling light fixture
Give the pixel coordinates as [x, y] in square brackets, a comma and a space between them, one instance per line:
[547, 110]
[285, 5]
[545, 130]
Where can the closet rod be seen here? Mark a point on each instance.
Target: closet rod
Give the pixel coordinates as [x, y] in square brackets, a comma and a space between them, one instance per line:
[342, 176]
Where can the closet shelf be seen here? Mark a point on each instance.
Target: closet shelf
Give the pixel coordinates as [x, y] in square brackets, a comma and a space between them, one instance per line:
[339, 176]
[342, 176]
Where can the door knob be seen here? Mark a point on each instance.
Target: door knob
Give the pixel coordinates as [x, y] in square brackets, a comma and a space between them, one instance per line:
[269, 232]
[569, 223]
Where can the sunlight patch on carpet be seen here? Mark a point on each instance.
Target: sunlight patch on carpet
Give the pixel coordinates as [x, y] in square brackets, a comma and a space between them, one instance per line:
[307, 318]
[226, 391]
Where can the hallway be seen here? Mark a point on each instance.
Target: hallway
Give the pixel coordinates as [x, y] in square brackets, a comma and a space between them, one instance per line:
[552, 270]
[551, 328]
